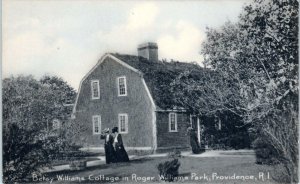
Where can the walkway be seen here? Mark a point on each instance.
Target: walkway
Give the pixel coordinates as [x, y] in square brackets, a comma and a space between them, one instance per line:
[210, 153]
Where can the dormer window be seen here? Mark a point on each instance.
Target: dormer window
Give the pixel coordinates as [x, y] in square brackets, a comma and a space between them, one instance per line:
[122, 88]
[95, 89]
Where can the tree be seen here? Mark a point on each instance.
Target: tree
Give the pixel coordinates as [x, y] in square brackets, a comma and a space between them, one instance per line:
[64, 93]
[28, 107]
[254, 65]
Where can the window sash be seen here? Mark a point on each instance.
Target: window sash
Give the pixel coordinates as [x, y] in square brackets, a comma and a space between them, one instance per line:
[172, 122]
[122, 88]
[55, 124]
[123, 123]
[95, 89]
[96, 124]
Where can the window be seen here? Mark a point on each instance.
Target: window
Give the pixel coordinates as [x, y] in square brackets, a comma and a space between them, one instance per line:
[172, 122]
[56, 124]
[96, 124]
[123, 123]
[95, 89]
[122, 88]
[219, 125]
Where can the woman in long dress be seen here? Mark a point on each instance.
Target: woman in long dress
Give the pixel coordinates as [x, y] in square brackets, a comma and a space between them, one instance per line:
[110, 154]
[194, 141]
[121, 153]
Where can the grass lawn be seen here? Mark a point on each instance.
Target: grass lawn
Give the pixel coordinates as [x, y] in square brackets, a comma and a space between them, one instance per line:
[146, 167]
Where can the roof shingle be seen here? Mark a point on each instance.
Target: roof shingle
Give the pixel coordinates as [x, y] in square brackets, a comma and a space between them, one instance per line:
[158, 76]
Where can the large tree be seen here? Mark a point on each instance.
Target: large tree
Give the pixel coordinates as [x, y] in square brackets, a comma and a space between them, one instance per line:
[254, 74]
[28, 106]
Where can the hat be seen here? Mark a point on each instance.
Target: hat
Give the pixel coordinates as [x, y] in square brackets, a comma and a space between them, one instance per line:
[106, 130]
[115, 129]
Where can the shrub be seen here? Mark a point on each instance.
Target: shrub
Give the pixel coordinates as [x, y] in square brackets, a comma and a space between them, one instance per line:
[169, 170]
[24, 153]
[174, 154]
[264, 152]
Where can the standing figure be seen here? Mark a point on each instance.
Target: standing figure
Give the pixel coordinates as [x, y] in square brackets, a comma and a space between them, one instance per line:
[194, 140]
[110, 154]
[121, 153]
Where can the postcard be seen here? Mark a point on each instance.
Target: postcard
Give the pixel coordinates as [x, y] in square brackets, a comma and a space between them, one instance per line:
[150, 91]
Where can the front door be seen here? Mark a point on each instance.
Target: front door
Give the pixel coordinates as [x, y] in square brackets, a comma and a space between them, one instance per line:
[195, 124]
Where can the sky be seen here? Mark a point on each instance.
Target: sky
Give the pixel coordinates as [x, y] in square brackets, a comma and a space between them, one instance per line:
[67, 37]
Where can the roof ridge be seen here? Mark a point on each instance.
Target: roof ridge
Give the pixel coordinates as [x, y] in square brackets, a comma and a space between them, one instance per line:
[160, 61]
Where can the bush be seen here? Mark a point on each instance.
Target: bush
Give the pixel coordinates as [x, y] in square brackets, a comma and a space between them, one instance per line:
[264, 152]
[174, 154]
[24, 153]
[169, 170]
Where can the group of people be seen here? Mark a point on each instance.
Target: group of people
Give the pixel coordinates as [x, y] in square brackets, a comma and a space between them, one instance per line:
[113, 146]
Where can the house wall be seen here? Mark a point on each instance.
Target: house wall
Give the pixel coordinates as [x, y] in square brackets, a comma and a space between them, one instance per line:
[136, 104]
[166, 139]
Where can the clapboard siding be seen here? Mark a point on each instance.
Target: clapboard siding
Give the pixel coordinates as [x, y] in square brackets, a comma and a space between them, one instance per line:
[136, 104]
[172, 139]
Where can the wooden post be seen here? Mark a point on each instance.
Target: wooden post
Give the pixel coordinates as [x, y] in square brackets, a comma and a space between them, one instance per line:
[198, 131]
[47, 126]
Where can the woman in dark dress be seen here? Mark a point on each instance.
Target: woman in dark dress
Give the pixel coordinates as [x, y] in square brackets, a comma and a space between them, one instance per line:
[110, 153]
[121, 153]
[194, 141]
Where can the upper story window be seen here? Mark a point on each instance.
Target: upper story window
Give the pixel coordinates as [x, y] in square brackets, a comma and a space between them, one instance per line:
[96, 124]
[172, 122]
[122, 88]
[95, 89]
[123, 123]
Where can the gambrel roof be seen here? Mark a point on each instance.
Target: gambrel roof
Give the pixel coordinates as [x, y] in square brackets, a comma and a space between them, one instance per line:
[159, 76]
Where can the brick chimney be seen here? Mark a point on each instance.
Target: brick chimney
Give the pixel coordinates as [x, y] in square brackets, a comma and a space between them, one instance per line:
[149, 51]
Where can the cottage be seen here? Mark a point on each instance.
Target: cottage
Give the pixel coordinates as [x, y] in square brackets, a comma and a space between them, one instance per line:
[133, 93]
